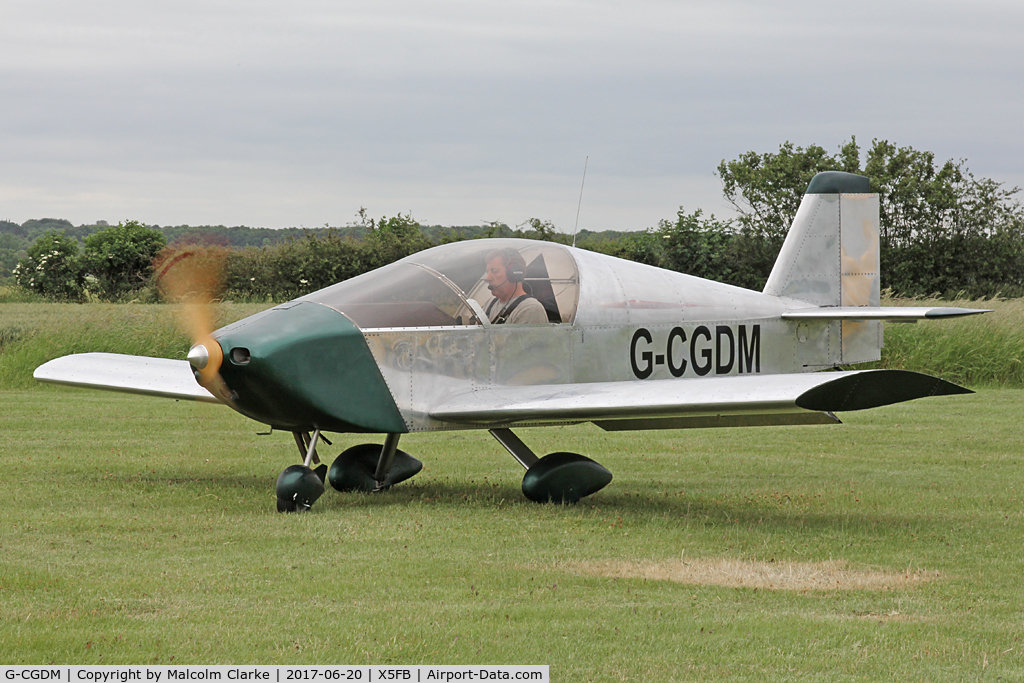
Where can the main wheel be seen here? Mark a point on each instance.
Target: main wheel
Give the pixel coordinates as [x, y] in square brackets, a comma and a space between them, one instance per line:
[564, 478]
[355, 468]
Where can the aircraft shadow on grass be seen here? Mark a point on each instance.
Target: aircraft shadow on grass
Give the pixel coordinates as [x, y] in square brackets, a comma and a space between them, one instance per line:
[634, 507]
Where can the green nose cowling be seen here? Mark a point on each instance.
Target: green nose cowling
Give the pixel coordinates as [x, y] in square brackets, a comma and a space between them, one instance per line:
[303, 365]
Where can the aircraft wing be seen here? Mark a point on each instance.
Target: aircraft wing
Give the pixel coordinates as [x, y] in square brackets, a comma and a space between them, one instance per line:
[745, 400]
[893, 313]
[131, 374]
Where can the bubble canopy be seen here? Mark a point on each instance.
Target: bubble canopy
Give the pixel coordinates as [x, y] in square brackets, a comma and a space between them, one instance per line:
[444, 286]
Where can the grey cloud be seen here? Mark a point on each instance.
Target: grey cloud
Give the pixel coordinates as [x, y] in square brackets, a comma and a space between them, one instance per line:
[250, 112]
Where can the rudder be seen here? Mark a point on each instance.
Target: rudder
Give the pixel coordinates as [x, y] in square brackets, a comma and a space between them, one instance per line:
[831, 258]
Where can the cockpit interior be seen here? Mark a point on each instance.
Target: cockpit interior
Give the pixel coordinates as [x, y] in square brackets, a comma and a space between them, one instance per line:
[445, 286]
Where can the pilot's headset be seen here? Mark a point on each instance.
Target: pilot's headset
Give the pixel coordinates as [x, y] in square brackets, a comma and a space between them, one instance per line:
[515, 265]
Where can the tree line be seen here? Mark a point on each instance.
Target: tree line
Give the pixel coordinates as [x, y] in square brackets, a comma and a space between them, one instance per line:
[943, 231]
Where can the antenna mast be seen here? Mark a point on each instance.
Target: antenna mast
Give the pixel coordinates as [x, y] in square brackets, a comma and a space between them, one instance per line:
[580, 203]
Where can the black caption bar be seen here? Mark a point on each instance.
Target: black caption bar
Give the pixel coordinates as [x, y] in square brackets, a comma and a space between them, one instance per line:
[418, 673]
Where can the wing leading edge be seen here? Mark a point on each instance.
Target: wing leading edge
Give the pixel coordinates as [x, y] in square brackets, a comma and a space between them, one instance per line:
[131, 374]
[751, 400]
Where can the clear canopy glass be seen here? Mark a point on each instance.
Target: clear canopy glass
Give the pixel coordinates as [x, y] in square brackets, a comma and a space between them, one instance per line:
[445, 286]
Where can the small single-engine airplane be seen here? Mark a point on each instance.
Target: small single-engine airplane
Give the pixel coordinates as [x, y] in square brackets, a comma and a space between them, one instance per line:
[434, 342]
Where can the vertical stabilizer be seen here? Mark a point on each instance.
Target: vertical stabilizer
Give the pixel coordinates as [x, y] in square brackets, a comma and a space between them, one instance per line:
[830, 257]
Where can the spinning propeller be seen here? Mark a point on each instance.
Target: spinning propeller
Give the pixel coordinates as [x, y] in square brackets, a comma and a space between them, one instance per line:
[193, 277]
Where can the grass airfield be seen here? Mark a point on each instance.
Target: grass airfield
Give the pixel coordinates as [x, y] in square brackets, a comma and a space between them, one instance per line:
[140, 530]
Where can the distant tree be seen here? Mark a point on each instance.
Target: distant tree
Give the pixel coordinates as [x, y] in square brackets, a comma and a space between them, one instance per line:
[439, 234]
[235, 236]
[10, 245]
[39, 226]
[120, 258]
[254, 274]
[9, 228]
[53, 268]
[203, 238]
[390, 239]
[643, 247]
[605, 242]
[530, 229]
[496, 229]
[942, 230]
[299, 266]
[699, 246]
[692, 244]
[329, 258]
[536, 229]
[766, 189]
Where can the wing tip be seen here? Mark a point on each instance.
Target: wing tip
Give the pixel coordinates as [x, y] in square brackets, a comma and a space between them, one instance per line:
[875, 388]
[950, 312]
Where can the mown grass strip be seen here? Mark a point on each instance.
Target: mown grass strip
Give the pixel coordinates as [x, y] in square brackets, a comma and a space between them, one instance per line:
[141, 530]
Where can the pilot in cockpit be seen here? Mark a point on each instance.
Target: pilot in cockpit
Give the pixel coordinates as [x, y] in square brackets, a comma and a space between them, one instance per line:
[511, 303]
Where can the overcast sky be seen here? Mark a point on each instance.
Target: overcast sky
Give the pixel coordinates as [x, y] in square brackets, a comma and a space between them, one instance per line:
[281, 114]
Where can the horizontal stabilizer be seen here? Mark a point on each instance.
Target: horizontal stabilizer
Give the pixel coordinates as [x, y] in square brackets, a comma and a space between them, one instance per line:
[726, 401]
[130, 374]
[893, 313]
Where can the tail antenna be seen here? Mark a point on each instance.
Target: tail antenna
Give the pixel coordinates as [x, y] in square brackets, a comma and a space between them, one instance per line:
[580, 203]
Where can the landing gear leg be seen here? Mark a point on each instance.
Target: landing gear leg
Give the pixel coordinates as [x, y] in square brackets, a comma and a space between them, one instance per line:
[514, 445]
[371, 467]
[557, 477]
[299, 486]
[387, 458]
[303, 440]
